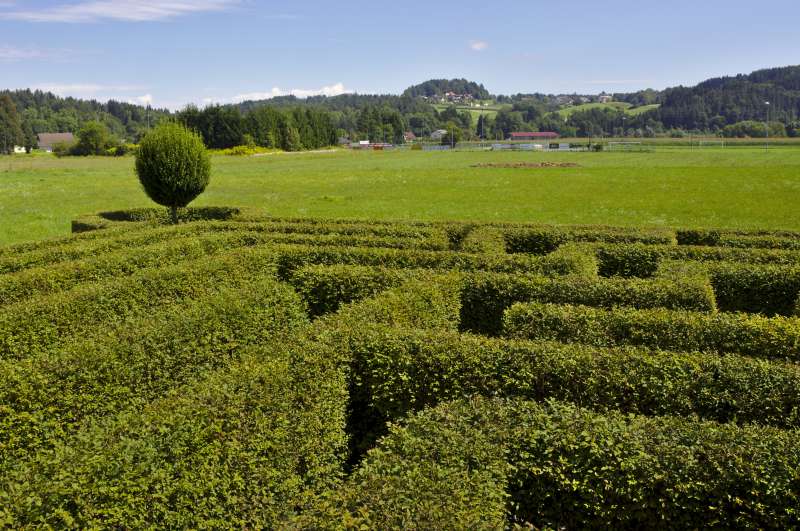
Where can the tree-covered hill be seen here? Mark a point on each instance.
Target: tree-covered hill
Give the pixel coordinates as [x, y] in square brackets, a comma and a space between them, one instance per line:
[44, 112]
[440, 87]
[717, 102]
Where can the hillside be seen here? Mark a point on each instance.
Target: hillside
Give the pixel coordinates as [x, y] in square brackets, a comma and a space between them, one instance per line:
[45, 112]
[726, 100]
[440, 87]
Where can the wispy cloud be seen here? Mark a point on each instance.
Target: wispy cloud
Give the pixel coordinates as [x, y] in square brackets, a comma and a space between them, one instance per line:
[478, 46]
[15, 53]
[85, 90]
[330, 90]
[122, 10]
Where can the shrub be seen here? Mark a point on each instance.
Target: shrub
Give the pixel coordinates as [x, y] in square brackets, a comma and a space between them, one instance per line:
[484, 240]
[34, 326]
[485, 296]
[135, 362]
[572, 468]
[750, 335]
[767, 289]
[241, 447]
[326, 288]
[546, 239]
[173, 166]
[396, 371]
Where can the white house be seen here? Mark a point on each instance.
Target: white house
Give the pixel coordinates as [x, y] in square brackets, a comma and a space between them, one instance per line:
[19, 149]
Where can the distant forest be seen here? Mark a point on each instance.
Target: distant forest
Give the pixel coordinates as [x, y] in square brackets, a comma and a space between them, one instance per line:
[727, 106]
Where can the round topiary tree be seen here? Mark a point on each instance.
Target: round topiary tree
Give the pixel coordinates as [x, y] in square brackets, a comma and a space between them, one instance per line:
[173, 166]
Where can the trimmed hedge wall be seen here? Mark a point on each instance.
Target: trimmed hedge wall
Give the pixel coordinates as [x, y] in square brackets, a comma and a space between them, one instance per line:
[485, 240]
[633, 260]
[135, 362]
[395, 371]
[749, 335]
[569, 468]
[767, 289]
[563, 262]
[326, 288]
[546, 239]
[41, 323]
[485, 296]
[243, 447]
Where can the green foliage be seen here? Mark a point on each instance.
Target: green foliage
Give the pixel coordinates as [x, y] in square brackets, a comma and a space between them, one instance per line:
[545, 239]
[755, 288]
[11, 133]
[93, 139]
[173, 166]
[570, 467]
[749, 335]
[484, 240]
[485, 296]
[101, 375]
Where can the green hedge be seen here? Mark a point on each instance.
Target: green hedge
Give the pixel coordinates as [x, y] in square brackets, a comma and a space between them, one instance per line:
[242, 447]
[569, 468]
[632, 260]
[418, 478]
[41, 323]
[767, 289]
[115, 264]
[485, 240]
[326, 288]
[546, 239]
[159, 216]
[750, 335]
[135, 362]
[395, 371]
[789, 240]
[562, 262]
[485, 296]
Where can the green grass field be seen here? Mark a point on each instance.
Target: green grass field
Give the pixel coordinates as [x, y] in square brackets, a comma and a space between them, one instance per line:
[736, 188]
[617, 105]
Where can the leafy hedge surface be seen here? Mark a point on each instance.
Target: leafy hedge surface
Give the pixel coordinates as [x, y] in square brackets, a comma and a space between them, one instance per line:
[750, 335]
[636, 260]
[740, 238]
[569, 468]
[395, 371]
[47, 396]
[485, 240]
[546, 239]
[241, 447]
[767, 289]
[37, 325]
[485, 296]
[567, 261]
[326, 288]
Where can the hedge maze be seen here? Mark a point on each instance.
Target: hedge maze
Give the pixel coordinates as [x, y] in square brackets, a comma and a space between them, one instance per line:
[238, 371]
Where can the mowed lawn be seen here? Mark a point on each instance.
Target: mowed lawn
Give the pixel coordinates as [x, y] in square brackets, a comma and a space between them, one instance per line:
[741, 187]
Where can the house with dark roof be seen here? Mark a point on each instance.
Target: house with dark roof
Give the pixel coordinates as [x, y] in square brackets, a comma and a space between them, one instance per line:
[48, 140]
[545, 135]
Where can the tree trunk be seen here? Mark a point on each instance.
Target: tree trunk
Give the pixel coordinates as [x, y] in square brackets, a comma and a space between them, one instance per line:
[174, 214]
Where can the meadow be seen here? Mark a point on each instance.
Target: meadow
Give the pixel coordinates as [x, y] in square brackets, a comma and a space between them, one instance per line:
[729, 188]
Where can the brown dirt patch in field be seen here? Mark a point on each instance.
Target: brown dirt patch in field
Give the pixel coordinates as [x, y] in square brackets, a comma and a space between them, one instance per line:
[527, 165]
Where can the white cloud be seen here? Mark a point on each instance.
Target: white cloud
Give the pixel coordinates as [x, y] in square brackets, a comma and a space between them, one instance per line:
[145, 100]
[15, 53]
[478, 46]
[331, 90]
[124, 10]
[84, 90]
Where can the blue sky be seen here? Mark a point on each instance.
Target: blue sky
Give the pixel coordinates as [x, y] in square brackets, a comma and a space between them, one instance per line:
[172, 52]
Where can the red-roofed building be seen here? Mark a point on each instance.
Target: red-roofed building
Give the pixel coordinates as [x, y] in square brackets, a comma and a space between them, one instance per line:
[534, 136]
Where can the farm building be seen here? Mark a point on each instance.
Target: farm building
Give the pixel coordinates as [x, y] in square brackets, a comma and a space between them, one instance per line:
[605, 98]
[48, 140]
[438, 134]
[409, 136]
[19, 149]
[545, 135]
